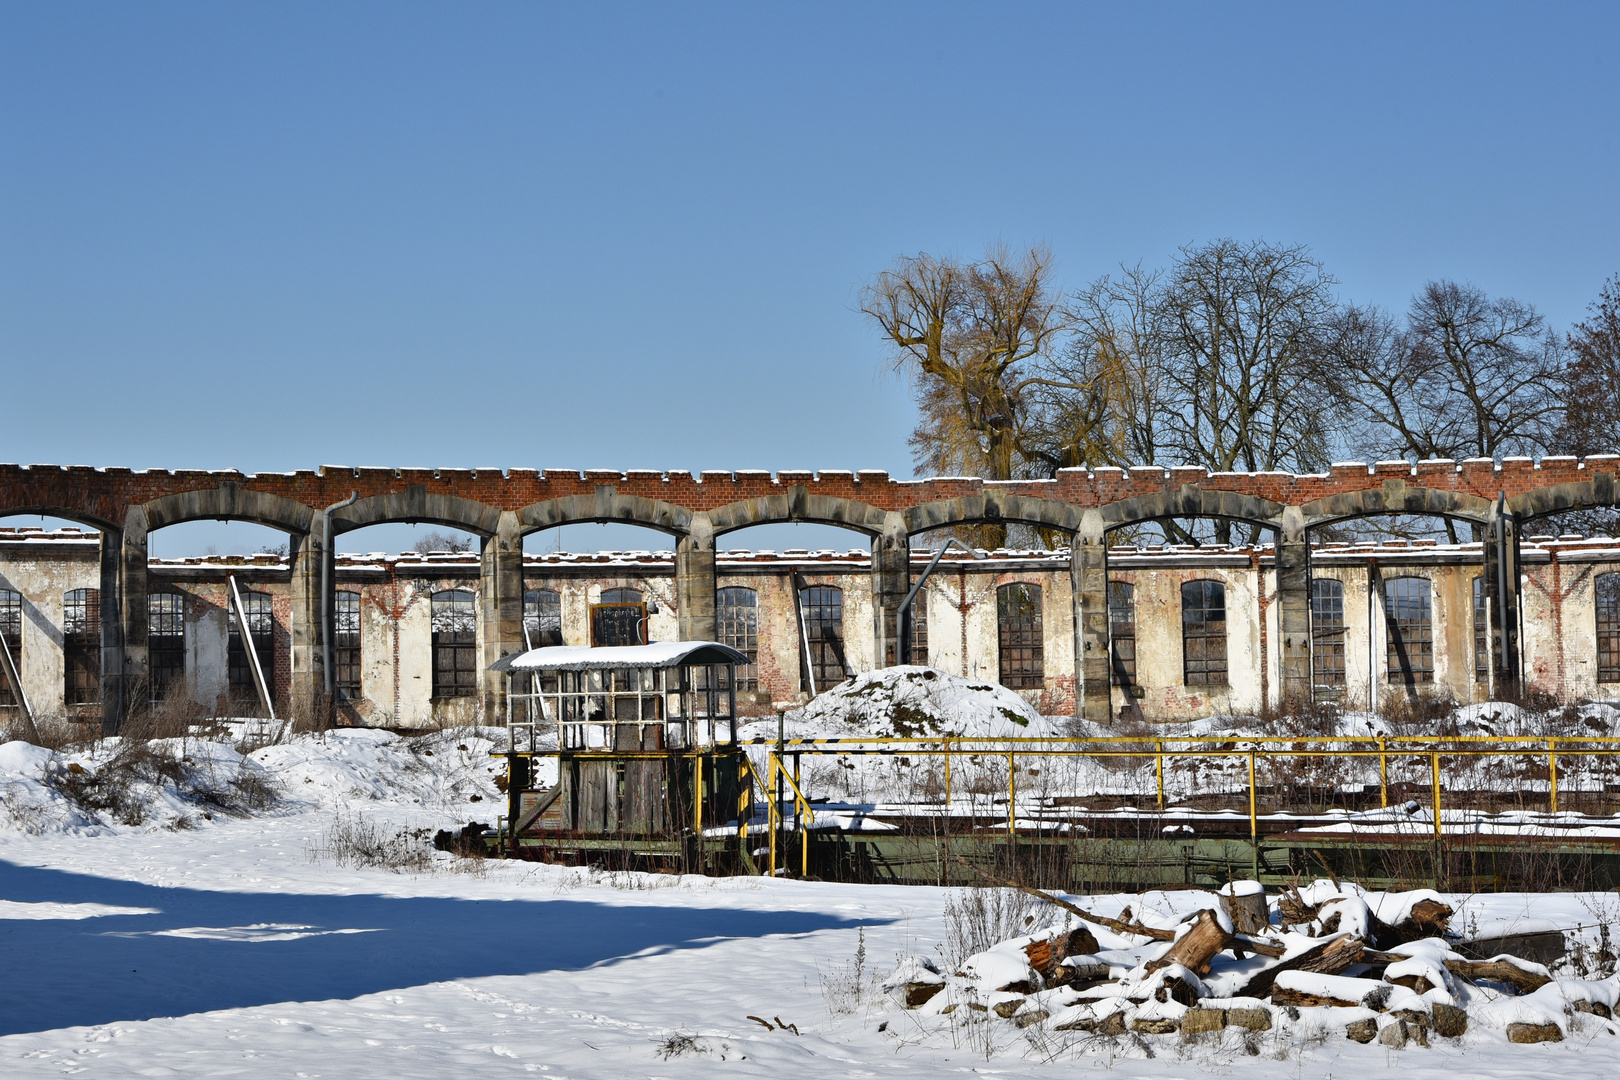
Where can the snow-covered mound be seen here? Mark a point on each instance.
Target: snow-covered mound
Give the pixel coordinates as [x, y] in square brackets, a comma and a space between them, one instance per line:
[913, 703]
[116, 784]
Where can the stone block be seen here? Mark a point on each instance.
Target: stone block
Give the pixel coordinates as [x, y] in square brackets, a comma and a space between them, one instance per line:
[1163, 1026]
[1362, 1031]
[1005, 1009]
[1449, 1021]
[1198, 1021]
[1031, 1018]
[1251, 1019]
[1534, 1033]
[1393, 1035]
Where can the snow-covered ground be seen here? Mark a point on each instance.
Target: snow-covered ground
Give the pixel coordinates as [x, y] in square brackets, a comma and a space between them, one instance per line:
[198, 943]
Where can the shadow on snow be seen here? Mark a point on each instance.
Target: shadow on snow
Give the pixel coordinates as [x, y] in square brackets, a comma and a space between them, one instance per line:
[68, 972]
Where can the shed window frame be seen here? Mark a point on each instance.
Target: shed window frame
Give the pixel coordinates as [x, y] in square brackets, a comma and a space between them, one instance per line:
[542, 617]
[346, 677]
[261, 616]
[1482, 631]
[453, 618]
[1122, 633]
[1204, 659]
[11, 623]
[918, 613]
[1020, 636]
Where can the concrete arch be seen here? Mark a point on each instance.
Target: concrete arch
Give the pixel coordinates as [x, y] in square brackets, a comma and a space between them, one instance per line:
[1397, 497]
[606, 506]
[1194, 501]
[1584, 495]
[229, 501]
[996, 507]
[414, 505]
[75, 514]
[797, 504]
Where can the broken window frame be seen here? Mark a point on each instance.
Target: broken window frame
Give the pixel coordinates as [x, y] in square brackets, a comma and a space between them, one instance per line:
[165, 643]
[1482, 631]
[1329, 654]
[822, 607]
[346, 676]
[81, 647]
[242, 688]
[1606, 616]
[1204, 659]
[453, 617]
[11, 623]
[1020, 636]
[1122, 633]
[736, 623]
[1409, 631]
[542, 617]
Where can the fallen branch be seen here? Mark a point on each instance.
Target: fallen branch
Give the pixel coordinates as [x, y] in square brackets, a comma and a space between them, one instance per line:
[1500, 971]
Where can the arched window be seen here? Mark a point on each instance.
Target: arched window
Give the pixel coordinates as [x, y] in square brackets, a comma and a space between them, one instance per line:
[261, 625]
[166, 643]
[1482, 632]
[621, 596]
[1608, 627]
[1327, 634]
[822, 607]
[81, 647]
[736, 621]
[346, 645]
[455, 644]
[1018, 633]
[1203, 633]
[11, 630]
[1122, 633]
[1408, 630]
[542, 617]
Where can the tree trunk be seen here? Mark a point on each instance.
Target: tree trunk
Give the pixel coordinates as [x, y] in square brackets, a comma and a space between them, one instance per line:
[1194, 949]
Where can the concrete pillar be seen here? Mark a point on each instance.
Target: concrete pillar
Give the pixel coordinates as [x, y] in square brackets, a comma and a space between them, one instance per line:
[891, 580]
[1503, 555]
[500, 609]
[1294, 609]
[695, 581]
[1088, 576]
[136, 691]
[305, 553]
[112, 630]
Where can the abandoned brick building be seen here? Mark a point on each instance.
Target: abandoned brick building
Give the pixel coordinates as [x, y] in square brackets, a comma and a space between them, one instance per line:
[96, 627]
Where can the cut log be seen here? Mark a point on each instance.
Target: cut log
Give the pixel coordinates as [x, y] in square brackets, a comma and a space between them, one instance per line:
[1047, 956]
[1194, 949]
[1293, 910]
[1328, 958]
[1300, 999]
[1245, 904]
[1498, 971]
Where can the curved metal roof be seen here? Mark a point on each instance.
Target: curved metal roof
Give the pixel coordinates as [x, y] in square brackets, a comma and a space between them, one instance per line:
[658, 654]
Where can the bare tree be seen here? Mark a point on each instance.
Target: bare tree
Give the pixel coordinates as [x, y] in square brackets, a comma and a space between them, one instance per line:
[430, 543]
[1591, 419]
[970, 337]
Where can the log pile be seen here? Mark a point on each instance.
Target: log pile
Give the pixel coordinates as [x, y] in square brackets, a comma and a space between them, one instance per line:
[1239, 959]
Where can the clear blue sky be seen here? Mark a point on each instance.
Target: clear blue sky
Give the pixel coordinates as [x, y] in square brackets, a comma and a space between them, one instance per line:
[278, 236]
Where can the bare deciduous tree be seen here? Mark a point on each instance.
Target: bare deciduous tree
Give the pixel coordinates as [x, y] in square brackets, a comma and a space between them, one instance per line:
[1591, 421]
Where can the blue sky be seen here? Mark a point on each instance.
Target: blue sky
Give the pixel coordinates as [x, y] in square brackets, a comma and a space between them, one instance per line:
[278, 236]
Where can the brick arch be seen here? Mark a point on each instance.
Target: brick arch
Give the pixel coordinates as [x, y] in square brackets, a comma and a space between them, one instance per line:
[229, 501]
[1191, 501]
[1600, 490]
[993, 507]
[76, 514]
[606, 506]
[417, 505]
[1397, 497]
[797, 504]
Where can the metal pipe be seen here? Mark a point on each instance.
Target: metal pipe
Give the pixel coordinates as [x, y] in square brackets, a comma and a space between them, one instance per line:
[903, 617]
[326, 591]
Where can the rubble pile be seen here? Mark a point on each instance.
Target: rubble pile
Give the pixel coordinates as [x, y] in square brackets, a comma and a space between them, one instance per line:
[1311, 960]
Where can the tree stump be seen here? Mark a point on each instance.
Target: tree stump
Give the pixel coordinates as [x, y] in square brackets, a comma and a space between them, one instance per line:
[1245, 904]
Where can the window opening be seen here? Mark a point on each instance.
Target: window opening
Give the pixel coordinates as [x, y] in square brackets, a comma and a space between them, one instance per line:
[1018, 626]
[1409, 631]
[455, 644]
[736, 620]
[81, 647]
[1203, 633]
[346, 645]
[919, 628]
[1482, 633]
[823, 608]
[166, 643]
[261, 624]
[542, 617]
[11, 627]
[621, 596]
[1122, 633]
[1327, 634]
[1608, 627]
